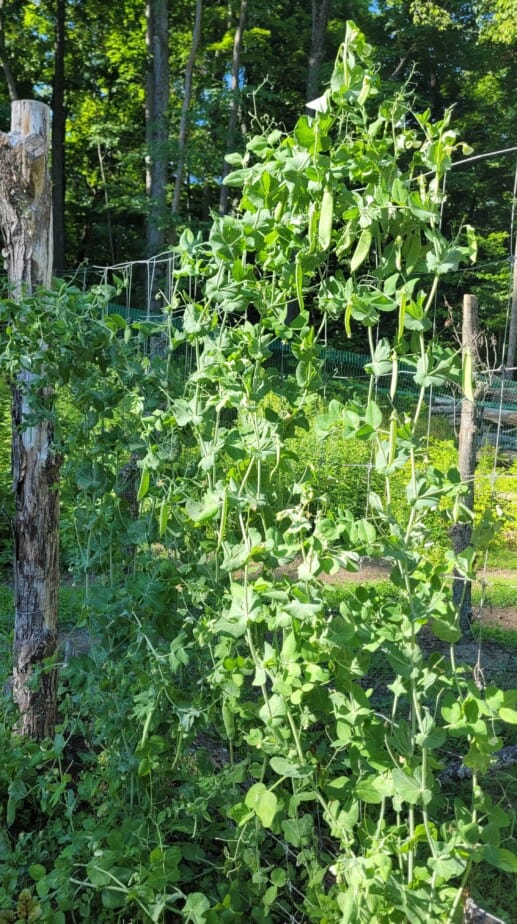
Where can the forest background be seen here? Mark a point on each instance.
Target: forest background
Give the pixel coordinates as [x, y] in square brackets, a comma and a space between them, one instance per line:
[148, 98]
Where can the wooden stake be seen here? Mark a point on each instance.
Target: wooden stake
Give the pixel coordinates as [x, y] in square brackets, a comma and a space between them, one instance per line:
[26, 226]
[461, 533]
[512, 331]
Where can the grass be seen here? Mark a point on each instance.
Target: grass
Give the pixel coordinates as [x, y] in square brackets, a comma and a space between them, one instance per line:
[506, 638]
[503, 558]
[497, 592]
[70, 603]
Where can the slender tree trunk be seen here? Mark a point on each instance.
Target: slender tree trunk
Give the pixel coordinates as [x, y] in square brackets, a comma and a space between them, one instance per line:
[461, 533]
[512, 331]
[234, 104]
[26, 225]
[9, 76]
[157, 123]
[111, 240]
[187, 95]
[58, 139]
[320, 18]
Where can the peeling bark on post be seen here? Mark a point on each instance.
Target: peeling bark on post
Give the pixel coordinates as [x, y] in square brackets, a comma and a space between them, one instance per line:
[512, 332]
[26, 226]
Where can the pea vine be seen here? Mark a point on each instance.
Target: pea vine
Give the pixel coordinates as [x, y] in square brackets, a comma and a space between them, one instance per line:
[340, 221]
[332, 723]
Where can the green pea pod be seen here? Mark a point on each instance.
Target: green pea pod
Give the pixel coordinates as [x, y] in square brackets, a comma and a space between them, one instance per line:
[313, 226]
[144, 484]
[394, 378]
[279, 210]
[402, 315]
[362, 250]
[325, 223]
[229, 720]
[299, 282]
[348, 315]
[163, 517]
[393, 438]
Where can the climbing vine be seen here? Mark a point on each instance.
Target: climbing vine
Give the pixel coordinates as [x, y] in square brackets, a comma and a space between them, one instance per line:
[339, 220]
[288, 758]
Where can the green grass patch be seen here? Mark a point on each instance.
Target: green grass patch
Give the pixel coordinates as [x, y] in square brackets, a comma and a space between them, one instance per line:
[503, 558]
[496, 592]
[71, 600]
[337, 593]
[506, 638]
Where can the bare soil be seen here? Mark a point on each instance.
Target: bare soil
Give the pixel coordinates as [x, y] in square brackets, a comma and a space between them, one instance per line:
[504, 617]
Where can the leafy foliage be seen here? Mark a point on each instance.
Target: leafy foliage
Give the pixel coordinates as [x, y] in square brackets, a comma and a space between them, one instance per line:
[230, 748]
[459, 55]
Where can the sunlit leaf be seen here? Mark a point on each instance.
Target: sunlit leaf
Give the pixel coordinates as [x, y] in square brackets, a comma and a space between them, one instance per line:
[501, 858]
[263, 802]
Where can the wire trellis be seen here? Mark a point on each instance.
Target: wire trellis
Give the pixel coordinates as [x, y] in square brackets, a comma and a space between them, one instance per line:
[148, 287]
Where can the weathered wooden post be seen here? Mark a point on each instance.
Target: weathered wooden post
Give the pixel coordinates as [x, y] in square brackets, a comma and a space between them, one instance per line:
[26, 227]
[509, 359]
[461, 533]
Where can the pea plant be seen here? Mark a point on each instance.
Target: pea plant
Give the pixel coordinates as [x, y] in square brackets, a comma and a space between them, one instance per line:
[239, 744]
[339, 722]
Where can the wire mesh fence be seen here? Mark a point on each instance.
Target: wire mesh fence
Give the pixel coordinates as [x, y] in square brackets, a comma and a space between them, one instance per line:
[344, 374]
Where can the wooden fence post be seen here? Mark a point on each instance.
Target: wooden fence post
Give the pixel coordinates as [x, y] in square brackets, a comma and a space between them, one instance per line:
[509, 359]
[26, 227]
[461, 533]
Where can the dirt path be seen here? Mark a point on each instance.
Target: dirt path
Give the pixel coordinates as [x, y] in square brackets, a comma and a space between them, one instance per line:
[505, 617]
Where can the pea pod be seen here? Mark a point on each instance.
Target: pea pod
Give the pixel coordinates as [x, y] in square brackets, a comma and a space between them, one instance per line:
[299, 282]
[228, 720]
[325, 222]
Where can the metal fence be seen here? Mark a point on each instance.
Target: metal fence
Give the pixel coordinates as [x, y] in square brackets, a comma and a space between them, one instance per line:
[343, 373]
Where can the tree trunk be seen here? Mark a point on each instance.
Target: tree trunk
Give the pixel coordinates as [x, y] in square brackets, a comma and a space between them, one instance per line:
[234, 104]
[320, 18]
[461, 533]
[26, 225]
[58, 140]
[182, 137]
[9, 76]
[157, 123]
[109, 223]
